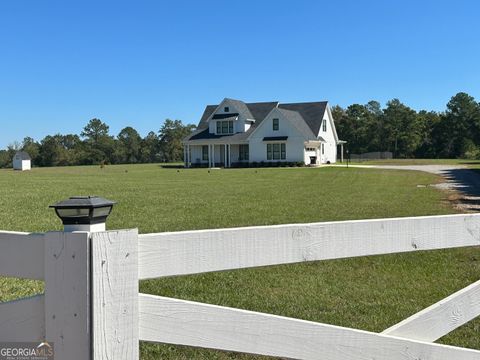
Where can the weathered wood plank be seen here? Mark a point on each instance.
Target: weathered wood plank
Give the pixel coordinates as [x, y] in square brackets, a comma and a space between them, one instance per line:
[115, 295]
[441, 318]
[183, 322]
[23, 320]
[190, 252]
[67, 301]
[21, 255]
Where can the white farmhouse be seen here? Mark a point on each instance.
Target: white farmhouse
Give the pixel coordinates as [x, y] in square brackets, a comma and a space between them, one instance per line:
[22, 161]
[235, 132]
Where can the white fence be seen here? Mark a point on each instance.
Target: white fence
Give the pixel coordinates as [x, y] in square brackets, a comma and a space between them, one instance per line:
[91, 308]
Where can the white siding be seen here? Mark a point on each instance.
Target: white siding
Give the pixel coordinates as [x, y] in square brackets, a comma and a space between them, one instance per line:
[19, 164]
[308, 154]
[234, 149]
[330, 146]
[294, 144]
[196, 155]
[26, 164]
[238, 125]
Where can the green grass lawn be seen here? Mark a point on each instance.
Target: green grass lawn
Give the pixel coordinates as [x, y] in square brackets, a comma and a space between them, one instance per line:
[370, 293]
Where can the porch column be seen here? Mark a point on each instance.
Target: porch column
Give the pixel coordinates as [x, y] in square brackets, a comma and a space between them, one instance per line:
[209, 155]
[213, 155]
[225, 155]
[184, 156]
[229, 155]
[341, 153]
[188, 156]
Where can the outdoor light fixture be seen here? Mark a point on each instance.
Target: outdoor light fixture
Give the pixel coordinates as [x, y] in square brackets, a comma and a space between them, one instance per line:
[84, 213]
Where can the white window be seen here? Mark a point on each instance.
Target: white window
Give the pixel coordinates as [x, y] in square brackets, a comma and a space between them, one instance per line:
[324, 125]
[276, 125]
[226, 109]
[243, 152]
[205, 152]
[225, 127]
[276, 151]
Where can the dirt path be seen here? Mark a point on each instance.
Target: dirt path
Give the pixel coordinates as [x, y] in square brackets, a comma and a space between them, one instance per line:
[464, 181]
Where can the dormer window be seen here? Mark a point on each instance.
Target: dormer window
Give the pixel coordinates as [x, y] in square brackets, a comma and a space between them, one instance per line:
[225, 127]
[276, 125]
[226, 109]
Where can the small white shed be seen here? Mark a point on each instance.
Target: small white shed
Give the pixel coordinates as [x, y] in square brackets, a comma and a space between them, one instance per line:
[22, 161]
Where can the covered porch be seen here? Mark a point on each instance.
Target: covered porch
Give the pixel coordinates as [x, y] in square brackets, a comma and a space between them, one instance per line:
[314, 152]
[341, 143]
[214, 154]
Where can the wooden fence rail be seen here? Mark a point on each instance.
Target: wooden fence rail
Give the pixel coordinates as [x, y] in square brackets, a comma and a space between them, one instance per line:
[190, 252]
[91, 308]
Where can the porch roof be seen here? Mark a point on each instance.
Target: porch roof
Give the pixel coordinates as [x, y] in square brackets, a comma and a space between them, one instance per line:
[275, 138]
[205, 137]
[232, 116]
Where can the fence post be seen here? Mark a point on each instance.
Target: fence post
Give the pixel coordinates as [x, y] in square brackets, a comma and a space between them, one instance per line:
[67, 294]
[91, 284]
[114, 257]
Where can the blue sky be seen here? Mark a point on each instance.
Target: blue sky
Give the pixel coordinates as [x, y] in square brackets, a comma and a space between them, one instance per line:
[135, 63]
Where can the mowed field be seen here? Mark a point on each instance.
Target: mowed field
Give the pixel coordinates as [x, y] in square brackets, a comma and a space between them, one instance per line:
[370, 293]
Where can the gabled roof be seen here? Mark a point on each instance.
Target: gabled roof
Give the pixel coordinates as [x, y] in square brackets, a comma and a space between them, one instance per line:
[258, 112]
[306, 116]
[241, 107]
[298, 121]
[311, 112]
[23, 155]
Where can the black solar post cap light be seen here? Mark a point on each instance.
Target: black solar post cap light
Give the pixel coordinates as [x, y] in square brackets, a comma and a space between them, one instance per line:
[84, 213]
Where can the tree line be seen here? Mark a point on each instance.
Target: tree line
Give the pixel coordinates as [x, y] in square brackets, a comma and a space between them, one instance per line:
[453, 133]
[95, 145]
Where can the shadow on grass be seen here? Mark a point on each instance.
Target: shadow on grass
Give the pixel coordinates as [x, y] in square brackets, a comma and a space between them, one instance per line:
[172, 166]
[467, 183]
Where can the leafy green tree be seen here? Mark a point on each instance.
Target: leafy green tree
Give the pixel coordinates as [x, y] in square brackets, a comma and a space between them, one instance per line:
[149, 148]
[401, 131]
[5, 159]
[52, 152]
[95, 130]
[129, 143]
[30, 146]
[171, 135]
[359, 125]
[100, 144]
[459, 131]
[427, 123]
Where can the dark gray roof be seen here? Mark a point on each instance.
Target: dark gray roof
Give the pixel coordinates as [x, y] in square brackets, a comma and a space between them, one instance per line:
[242, 108]
[258, 111]
[298, 121]
[23, 155]
[308, 113]
[206, 114]
[311, 112]
[224, 116]
[204, 134]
